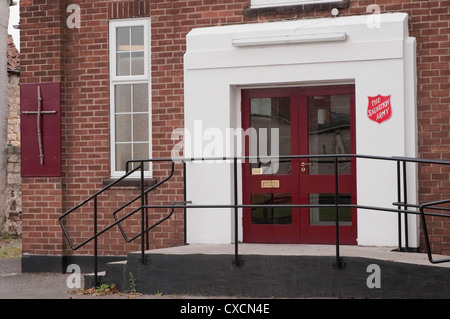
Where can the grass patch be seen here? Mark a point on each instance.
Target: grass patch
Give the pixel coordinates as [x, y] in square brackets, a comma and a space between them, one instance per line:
[104, 290]
[10, 252]
[10, 247]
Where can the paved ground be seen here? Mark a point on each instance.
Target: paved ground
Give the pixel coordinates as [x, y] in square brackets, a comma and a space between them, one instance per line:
[17, 285]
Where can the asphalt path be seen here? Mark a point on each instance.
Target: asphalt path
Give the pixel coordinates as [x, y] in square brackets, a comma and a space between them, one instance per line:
[17, 285]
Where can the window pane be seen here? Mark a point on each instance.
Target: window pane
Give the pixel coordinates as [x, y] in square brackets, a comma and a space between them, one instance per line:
[268, 215]
[123, 128]
[140, 98]
[123, 63]
[123, 154]
[137, 63]
[141, 151]
[130, 109]
[271, 120]
[140, 128]
[329, 132]
[123, 39]
[137, 38]
[123, 98]
[327, 215]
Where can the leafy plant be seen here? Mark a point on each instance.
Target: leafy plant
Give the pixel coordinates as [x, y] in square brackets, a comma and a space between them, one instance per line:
[103, 290]
[132, 283]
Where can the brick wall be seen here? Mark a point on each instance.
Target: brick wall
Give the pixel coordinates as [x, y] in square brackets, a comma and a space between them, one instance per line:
[79, 59]
[42, 28]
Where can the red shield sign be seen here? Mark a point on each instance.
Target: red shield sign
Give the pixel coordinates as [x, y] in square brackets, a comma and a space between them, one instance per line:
[379, 109]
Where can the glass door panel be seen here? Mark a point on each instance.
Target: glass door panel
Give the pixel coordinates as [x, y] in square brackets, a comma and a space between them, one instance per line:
[329, 132]
[272, 215]
[270, 127]
[326, 216]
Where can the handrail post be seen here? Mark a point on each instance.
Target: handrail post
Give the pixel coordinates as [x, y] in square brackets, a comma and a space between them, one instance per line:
[143, 260]
[95, 244]
[147, 239]
[405, 198]
[338, 264]
[238, 262]
[185, 200]
[399, 200]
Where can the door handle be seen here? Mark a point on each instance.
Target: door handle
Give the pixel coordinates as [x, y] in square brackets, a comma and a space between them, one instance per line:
[260, 164]
[304, 164]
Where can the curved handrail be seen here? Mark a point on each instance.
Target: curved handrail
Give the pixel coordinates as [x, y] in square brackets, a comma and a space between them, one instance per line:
[139, 208]
[90, 198]
[117, 220]
[432, 205]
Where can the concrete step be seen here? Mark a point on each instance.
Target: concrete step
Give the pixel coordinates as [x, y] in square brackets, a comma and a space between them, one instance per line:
[296, 271]
[113, 274]
[89, 279]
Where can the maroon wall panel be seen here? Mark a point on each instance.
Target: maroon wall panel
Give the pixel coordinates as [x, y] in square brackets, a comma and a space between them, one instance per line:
[41, 144]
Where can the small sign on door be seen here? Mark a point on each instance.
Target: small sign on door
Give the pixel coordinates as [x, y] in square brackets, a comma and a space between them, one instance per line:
[270, 184]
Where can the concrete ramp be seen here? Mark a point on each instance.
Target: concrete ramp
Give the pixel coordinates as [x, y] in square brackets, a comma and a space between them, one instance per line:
[282, 271]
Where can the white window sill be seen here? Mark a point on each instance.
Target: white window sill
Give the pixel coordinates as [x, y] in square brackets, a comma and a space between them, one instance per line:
[257, 4]
[130, 182]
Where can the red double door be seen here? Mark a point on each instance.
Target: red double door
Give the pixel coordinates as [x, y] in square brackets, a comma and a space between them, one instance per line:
[299, 121]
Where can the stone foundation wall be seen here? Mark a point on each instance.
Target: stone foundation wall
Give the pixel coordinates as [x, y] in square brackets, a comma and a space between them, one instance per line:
[13, 225]
[11, 209]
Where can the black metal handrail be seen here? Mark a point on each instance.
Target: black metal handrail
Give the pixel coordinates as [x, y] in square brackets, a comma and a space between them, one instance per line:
[89, 199]
[432, 205]
[145, 193]
[117, 222]
[403, 207]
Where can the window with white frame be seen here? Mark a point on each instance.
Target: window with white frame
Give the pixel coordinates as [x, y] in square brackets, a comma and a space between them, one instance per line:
[130, 93]
[279, 3]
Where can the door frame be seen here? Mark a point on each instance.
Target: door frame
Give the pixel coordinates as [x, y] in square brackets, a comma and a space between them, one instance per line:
[279, 233]
[300, 216]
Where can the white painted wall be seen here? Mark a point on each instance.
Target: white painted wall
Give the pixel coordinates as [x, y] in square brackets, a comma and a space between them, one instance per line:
[14, 19]
[377, 60]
